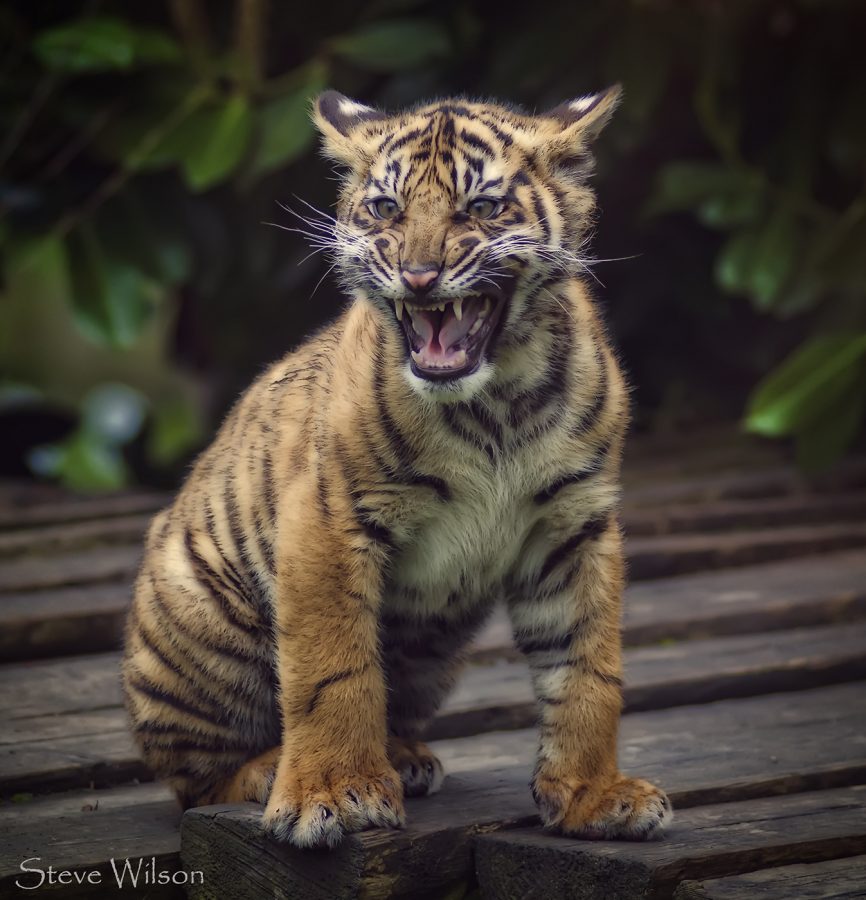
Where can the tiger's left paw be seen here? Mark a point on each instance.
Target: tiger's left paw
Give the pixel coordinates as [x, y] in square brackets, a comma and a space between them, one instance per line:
[621, 807]
[420, 771]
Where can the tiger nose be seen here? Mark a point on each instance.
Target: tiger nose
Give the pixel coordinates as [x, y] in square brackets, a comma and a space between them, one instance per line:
[420, 280]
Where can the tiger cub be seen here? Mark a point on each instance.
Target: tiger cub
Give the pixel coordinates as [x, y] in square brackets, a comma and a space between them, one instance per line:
[452, 439]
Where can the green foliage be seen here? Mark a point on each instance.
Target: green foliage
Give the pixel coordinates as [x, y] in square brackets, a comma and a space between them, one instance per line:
[101, 44]
[142, 147]
[393, 45]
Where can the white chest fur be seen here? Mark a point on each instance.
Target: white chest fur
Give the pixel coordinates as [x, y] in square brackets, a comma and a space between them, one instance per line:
[462, 549]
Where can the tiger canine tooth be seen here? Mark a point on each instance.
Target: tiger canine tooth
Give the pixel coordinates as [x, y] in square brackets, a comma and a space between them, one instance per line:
[398, 306]
[458, 309]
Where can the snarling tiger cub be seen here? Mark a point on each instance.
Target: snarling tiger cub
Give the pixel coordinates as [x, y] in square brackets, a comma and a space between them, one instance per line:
[454, 438]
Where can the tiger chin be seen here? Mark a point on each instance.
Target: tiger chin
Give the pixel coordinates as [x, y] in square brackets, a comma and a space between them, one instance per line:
[451, 441]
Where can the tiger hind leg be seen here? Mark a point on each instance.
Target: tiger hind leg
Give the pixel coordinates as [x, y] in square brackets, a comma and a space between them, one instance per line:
[420, 770]
[251, 783]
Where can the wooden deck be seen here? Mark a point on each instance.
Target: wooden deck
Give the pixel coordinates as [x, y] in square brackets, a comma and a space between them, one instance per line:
[745, 628]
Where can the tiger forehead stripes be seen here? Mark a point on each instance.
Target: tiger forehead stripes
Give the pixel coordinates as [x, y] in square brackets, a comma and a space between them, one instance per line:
[452, 440]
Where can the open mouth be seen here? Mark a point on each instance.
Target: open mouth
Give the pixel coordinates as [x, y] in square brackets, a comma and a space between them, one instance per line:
[448, 339]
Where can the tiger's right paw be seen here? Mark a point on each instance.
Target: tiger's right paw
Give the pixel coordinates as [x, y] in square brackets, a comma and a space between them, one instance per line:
[318, 811]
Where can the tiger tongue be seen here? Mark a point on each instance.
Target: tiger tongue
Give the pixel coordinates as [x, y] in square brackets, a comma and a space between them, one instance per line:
[441, 331]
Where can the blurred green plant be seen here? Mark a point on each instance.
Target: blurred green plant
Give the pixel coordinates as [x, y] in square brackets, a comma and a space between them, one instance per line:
[143, 146]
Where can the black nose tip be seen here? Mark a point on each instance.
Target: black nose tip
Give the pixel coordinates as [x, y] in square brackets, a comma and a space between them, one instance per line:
[420, 280]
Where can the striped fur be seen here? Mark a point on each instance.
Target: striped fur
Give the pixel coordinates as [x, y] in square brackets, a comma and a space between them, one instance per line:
[303, 605]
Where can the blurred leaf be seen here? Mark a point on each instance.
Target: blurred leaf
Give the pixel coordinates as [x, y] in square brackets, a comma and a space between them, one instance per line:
[734, 262]
[684, 186]
[285, 130]
[795, 394]
[773, 261]
[100, 43]
[211, 142]
[392, 45]
[176, 429]
[133, 232]
[733, 210]
[827, 438]
[114, 413]
[113, 301]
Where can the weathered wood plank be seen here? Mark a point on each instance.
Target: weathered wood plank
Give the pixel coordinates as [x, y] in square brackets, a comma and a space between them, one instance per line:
[73, 536]
[838, 879]
[85, 567]
[738, 514]
[710, 841]
[434, 854]
[83, 831]
[34, 505]
[808, 738]
[666, 519]
[83, 619]
[498, 695]
[649, 557]
[659, 488]
[805, 591]
[659, 557]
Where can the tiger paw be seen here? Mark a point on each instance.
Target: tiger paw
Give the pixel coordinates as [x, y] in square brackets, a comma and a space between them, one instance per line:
[420, 771]
[318, 811]
[617, 807]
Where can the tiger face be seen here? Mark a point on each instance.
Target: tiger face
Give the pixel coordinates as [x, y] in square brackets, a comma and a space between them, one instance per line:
[454, 217]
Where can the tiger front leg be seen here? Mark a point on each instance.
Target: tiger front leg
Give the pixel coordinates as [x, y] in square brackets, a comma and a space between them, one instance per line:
[569, 630]
[333, 775]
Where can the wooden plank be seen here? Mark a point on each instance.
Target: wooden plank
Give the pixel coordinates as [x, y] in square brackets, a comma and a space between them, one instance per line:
[717, 840]
[68, 569]
[73, 536]
[838, 879]
[499, 695]
[806, 591]
[659, 557]
[83, 619]
[664, 519]
[753, 513]
[434, 854]
[67, 751]
[655, 489]
[51, 506]
[490, 790]
[767, 597]
[83, 831]
[794, 593]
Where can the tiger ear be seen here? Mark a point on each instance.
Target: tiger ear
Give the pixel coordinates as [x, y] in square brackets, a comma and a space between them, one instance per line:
[569, 128]
[345, 127]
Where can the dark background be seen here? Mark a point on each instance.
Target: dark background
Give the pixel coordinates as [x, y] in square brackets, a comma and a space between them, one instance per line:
[144, 145]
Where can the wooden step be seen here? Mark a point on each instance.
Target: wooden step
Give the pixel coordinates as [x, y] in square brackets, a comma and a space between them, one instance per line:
[65, 726]
[660, 557]
[837, 879]
[809, 590]
[83, 831]
[649, 557]
[447, 841]
[28, 506]
[717, 840]
[802, 741]
[718, 515]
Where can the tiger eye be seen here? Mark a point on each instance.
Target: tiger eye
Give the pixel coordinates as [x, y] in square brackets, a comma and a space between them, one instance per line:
[383, 208]
[483, 208]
